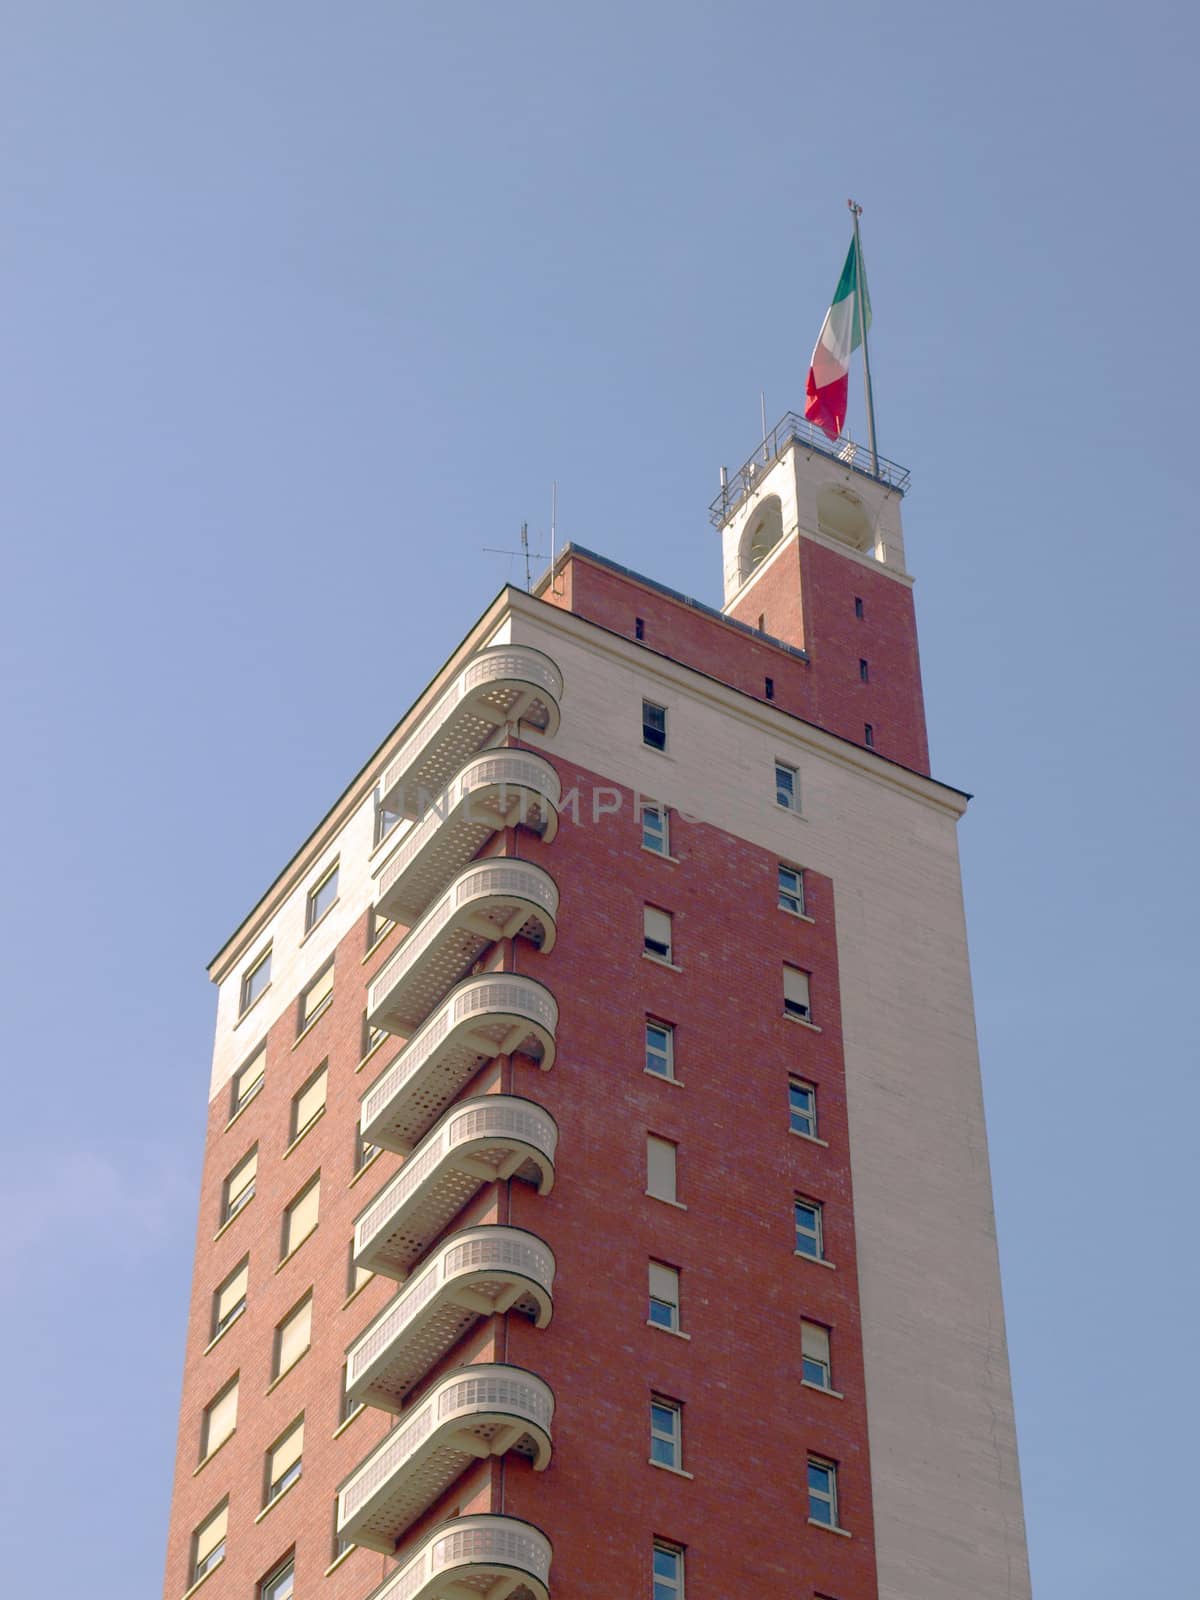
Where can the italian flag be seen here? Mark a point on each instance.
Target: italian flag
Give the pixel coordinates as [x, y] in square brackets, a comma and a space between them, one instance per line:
[828, 376]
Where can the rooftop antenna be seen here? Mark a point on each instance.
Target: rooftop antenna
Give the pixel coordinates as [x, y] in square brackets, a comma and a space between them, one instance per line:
[553, 535]
[529, 555]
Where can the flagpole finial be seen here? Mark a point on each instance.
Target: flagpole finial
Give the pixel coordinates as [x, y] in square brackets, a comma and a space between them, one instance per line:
[854, 207]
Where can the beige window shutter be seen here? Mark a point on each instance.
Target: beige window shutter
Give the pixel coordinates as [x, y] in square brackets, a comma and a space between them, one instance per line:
[660, 1168]
[311, 1100]
[233, 1291]
[211, 1534]
[302, 1217]
[664, 1283]
[814, 1342]
[221, 1419]
[294, 1335]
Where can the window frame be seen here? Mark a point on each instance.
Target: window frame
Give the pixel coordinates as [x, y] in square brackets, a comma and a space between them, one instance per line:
[802, 1010]
[216, 1555]
[653, 808]
[659, 739]
[268, 1588]
[207, 1448]
[666, 1055]
[806, 1360]
[815, 1233]
[655, 948]
[671, 1440]
[673, 1587]
[233, 1205]
[829, 1497]
[673, 1146]
[298, 1128]
[274, 1488]
[805, 1086]
[787, 795]
[378, 927]
[220, 1325]
[348, 1408]
[304, 1018]
[671, 1325]
[288, 1245]
[797, 894]
[313, 911]
[248, 995]
[352, 1271]
[238, 1101]
[277, 1369]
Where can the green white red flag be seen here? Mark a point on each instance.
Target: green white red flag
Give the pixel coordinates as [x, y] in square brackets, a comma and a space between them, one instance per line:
[841, 335]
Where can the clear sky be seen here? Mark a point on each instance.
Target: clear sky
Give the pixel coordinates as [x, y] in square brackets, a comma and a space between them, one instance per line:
[303, 305]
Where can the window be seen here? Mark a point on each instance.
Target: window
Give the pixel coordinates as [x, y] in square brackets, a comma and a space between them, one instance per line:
[814, 1355]
[208, 1542]
[796, 999]
[364, 1150]
[660, 1049]
[284, 1460]
[858, 606]
[254, 980]
[292, 1336]
[787, 787]
[656, 829]
[664, 1296]
[377, 926]
[248, 1080]
[869, 735]
[371, 1036]
[654, 725]
[315, 998]
[229, 1300]
[791, 890]
[219, 1421]
[238, 1189]
[809, 1233]
[300, 1218]
[660, 1167]
[385, 821]
[350, 1406]
[864, 672]
[822, 1492]
[639, 628]
[356, 1275]
[281, 1585]
[668, 1571]
[320, 897]
[666, 1432]
[656, 933]
[769, 688]
[802, 1107]
[308, 1104]
[762, 622]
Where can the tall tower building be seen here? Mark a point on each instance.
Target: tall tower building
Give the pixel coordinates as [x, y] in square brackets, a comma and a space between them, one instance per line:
[596, 1197]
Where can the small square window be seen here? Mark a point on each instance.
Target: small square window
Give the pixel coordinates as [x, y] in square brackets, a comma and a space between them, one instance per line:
[654, 725]
[285, 1461]
[315, 998]
[300, 1218]
[254, 980]
[666, 1432]
[238, 1188]
[868, 736]
[797, 999]
[321, 897]
[858, 606]
[802, 1107]
[656, 829]
[292, 1336]
[248, 1080]
[309, 1102]
[208, 1542]
[769, 688]
[660, 1049]
[787, 787]
[281, 1585]
[864, 672]
[656, 933]
[219, 1421]
[639, 628]
[667, 1571]
[791, 890]
[809, 1231]
[229, 1299]
[822, 1492]
[661, 1168]
[664, 1296]
[814, 1355]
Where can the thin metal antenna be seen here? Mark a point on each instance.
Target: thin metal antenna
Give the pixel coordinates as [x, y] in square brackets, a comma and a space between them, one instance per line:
[762, 406]
[553, 533]
[529, 555]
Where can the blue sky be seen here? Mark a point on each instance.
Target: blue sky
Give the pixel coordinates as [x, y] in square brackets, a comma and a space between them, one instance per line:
[302, 306]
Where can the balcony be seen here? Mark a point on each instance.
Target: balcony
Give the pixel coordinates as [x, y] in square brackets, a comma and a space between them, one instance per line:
[489, 1138]
[470, 1414]
[504, 684]
[501, 789]
[480, 1272]
[481, 1019]
[492, 1558]
[495, 899]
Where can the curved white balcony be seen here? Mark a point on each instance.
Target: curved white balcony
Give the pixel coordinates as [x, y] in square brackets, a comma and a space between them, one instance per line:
[492, 1557]
[480, 1272]
[506, 683]
[470, 1414]
[482, 1018]
[498, 898]
[500, 789]
[488, 1138]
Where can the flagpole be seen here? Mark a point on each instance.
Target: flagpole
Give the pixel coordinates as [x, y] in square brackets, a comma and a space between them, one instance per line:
[860, 312]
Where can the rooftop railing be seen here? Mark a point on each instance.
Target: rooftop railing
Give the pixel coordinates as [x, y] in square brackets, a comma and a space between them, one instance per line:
[793, 429]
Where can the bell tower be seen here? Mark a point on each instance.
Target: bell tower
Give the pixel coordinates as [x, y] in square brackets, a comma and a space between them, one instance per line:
[813, 554]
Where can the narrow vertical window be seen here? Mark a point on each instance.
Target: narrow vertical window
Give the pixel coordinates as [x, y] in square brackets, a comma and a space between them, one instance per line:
[639, 628]
[791, 890]
[377, 926]
[285, 1461]
[220, 1419]
[814, 1355]
[864, 672]
[797, 1000]
[660, 1049]
[309, 1102]
[372, 1036]
[254, 980]
[357, 1275]
[787, 788]
[656, 829]
[869, 735]
[762, 622]
[664, 1296]
[281, 1585]
[822, 1492]
[292, 1336]
[769, 688]
[810, 1240]
[666, 1432]
[858, 606]
[656, 933]
[238, 1190]
[248, 1080]
[229, 1299]
[321, 897]
[661, 1168]
[802, 1108]
[315, 998]
[654, 725]
[300, 1218]
[667, 1571]
[208, 1542]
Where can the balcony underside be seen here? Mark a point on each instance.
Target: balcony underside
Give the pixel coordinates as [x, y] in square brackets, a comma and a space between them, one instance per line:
[502, 686]
[471, 1414]
[480, 1272]
[475, 1558]
[486, 1139]
[479, 1020]
[503, 789]
[492, 900]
